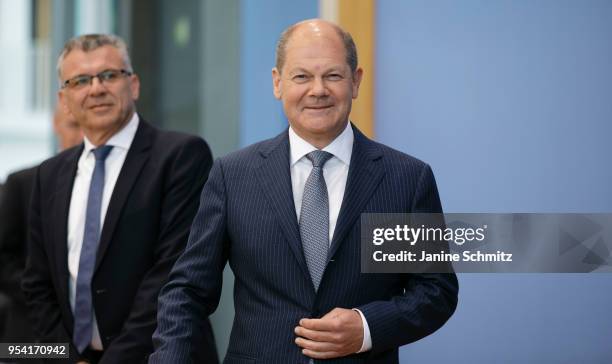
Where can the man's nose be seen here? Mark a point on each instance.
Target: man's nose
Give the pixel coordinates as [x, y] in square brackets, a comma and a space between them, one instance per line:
[319, 88]
[97, 87]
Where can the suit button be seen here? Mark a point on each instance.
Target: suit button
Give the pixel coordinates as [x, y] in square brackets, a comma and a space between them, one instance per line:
[101, 290]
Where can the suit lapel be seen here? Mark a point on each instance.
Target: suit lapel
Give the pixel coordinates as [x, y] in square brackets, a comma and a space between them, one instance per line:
[61, 207]
[365, 174]
[274, 177]
[137, 156]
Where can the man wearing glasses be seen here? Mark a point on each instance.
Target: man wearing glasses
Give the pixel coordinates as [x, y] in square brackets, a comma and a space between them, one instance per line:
[109, 218]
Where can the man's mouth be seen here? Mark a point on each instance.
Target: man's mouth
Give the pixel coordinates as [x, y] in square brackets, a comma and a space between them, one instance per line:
[100, 107]
[318, 107]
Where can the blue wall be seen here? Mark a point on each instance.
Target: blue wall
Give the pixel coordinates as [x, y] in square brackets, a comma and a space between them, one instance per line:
[262, 21]
[511, 104]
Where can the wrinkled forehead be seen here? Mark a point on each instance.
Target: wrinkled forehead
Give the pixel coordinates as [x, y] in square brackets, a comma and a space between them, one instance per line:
[307, 46]
[315, 33]
[79, 61]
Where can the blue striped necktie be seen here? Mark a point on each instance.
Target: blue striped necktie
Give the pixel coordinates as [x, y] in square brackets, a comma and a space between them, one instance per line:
[83, 309]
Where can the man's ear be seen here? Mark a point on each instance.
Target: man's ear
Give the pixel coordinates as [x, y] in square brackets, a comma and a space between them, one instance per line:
[357, 76]
[276, 82]
[135, 86]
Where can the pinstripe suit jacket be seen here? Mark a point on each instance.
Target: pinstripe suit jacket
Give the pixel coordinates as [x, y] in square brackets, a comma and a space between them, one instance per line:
[247, 216]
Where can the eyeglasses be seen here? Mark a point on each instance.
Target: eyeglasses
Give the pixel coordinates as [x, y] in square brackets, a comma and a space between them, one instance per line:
[106, 77]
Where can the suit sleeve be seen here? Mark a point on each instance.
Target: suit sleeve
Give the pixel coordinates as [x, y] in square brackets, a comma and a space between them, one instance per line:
[194, 287]
[189, 171]
[428, 300]
[38, 287]
[12, 235]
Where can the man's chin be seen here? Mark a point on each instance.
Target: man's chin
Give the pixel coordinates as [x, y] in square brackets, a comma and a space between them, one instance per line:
[319, 113]
[318, 121]
[101, 122]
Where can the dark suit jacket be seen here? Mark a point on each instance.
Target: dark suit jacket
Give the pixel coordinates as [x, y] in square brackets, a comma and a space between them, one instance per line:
[14, 203]
[13, 227]
[145, 229]
[247, 215]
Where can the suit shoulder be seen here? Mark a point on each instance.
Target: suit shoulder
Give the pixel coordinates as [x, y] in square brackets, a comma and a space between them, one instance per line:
[249, 154]
[172, 139]
[396, 158]
[18, 185]
[22, 176]
[169, 145]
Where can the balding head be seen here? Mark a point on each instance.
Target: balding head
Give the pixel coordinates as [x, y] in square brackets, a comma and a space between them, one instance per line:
[316, 27]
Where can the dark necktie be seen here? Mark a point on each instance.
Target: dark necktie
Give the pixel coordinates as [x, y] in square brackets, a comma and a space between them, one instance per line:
[83, 309]
[314, 217]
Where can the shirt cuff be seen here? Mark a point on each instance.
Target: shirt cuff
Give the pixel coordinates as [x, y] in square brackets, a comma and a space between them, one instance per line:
[367, 340]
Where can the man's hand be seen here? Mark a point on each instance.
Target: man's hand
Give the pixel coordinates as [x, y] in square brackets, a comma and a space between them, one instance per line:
[338, 333]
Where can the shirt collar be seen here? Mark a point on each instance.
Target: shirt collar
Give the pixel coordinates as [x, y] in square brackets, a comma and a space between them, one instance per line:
[123, 139]
[341, 147]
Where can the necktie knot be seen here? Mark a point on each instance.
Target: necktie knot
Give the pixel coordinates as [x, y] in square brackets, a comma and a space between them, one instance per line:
[318, 158]
[102, 152]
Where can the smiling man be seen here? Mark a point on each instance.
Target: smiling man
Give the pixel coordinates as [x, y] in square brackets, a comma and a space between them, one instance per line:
[285, 213]
[109, 218]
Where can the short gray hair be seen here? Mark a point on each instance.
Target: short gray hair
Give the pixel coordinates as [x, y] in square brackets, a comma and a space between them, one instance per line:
[347, 41]
[90, 42]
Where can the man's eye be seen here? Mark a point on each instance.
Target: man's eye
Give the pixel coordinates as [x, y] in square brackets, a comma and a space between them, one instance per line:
[334, 77]
[108, 75]
[81, 81]
[300, 78]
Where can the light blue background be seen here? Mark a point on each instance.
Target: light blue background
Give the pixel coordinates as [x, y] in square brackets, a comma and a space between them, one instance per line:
[511, 104]
[261, 115]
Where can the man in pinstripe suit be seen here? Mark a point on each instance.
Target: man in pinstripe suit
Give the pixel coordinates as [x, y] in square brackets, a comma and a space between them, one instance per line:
[285, 213]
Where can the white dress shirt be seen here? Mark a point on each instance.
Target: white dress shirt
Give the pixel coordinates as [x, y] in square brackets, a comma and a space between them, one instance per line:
[78, 203]
[335, 173]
